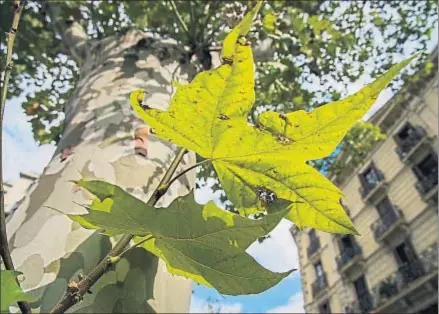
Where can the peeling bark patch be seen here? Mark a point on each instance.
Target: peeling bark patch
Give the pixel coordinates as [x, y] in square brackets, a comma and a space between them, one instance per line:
[141, 141]
[66, 153]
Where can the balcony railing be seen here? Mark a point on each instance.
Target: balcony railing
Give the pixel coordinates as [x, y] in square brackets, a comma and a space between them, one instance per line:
[369, 186]
[313, 247]
[407, 145]
[386, 222]
[319, 285]
[404, 278]
[347, 255]
[426, 184]
[363, 304]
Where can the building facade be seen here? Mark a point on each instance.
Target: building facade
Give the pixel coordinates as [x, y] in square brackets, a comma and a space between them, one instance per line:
[14, 193]
[392, 198]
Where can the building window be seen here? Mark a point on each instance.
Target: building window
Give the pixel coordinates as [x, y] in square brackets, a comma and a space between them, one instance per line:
[346, 242]
[312, 235]
[405, 133]
[325, 307]
[363, 295]
[385, 210]
[409, 266]
[427, 171]
[369, 179]
[314, 243]
[319, 269]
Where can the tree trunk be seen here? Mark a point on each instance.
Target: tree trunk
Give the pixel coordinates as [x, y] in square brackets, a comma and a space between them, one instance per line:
[98, 142]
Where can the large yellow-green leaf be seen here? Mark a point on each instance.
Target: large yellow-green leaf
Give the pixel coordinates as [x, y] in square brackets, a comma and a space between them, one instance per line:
[209, 116]
[203, 243]
[10, 292]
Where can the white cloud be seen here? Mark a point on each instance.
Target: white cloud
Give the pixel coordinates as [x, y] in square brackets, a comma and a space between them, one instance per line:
[294, 305]
[278, 252]
[202, 306]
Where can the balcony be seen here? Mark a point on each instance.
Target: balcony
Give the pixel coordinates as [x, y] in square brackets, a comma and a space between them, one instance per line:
[372, 189]
[410, 287]
[427, 188]
[350, 260]
[390, 226]
[408, 148]
[319, 286]
[313, 249]
[363, 304]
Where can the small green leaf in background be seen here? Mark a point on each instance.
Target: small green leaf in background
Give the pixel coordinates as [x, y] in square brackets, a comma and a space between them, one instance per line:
[10, 291]
[200, 242]
[269, 22]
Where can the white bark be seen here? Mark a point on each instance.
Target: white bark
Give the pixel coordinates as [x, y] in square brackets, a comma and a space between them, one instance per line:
[47, 246]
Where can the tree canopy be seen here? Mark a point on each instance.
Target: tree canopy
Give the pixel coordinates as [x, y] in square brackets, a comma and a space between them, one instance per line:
[316, 47]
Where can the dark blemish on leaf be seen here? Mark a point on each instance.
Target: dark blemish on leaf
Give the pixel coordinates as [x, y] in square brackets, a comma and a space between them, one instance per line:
[259, 126]
[145, 106]
[296, 126]
[265, 195]
[227, 61]
[283, 139]
[224, 117]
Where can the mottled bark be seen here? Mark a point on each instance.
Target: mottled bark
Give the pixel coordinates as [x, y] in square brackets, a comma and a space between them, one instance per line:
[100, 141]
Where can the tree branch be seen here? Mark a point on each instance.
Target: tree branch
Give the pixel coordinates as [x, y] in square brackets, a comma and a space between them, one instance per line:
[4, 246]
[75, 291]
[73, 35]
[179, 18]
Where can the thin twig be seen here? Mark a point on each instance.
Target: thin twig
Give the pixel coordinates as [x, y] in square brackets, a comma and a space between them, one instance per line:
[186, 170]
[193, 21]
[179, 18]
[72, 297]
[4, 246]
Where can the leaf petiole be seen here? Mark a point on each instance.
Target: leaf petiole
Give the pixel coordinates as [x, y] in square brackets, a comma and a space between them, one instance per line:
[185, 171]
[115, 259]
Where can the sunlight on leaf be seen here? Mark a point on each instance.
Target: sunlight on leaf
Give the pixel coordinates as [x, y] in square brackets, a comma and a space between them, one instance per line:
[209, 116]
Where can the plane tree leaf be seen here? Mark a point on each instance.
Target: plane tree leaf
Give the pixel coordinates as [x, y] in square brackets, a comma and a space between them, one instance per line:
[209, 116]
[200, 242]
[11, 292]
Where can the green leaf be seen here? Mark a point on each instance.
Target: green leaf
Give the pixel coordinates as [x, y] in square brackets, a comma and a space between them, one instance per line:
[203, 243]
[10, 291]
[209, 116]
[269, 22]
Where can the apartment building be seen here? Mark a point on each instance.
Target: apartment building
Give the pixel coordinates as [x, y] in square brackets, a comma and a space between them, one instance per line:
[14, 193]
[392, 198]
